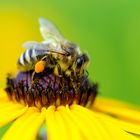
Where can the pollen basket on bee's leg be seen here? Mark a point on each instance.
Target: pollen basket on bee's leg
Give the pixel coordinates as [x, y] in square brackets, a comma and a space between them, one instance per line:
[48, 89]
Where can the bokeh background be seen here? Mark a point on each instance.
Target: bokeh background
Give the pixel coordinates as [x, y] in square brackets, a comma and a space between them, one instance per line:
[109, 30]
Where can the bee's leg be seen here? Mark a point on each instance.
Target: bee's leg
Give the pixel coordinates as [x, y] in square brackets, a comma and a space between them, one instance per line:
[84, 77]
[60, 74]
[71, 74]
[32, 80]
[44, 58]
[76, 81]
[33, 75]
[58, 70]
[49, 60]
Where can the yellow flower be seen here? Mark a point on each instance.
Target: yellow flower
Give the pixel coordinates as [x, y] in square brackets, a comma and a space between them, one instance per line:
[108, 120]
[104, 120]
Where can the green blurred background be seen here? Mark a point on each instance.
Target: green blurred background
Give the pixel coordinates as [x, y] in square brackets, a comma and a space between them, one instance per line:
[108, 30]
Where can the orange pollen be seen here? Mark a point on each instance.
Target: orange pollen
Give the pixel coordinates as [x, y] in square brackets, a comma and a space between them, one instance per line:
[39, 66]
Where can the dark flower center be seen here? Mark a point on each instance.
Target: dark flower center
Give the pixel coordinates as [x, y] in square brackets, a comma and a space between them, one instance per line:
[48, 89]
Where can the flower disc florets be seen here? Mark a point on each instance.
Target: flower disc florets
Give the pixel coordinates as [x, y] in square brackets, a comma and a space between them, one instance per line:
[49, 89]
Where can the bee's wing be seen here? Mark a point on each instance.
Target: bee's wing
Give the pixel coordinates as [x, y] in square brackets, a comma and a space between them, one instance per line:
[49, 31]
[35, 45]
[42, 46]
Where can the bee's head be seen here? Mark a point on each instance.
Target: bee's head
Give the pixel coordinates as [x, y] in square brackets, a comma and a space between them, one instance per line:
[82, 61]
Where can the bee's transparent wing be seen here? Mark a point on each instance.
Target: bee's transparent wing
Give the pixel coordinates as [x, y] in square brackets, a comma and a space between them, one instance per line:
[35, 45]
[49, 31]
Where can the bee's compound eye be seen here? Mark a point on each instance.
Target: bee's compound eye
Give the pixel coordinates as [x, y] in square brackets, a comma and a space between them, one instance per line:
[39, 66]
[79, 62]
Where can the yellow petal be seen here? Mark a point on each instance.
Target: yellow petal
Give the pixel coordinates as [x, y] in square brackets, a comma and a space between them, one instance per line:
[27, 126]
[117, 109]
[113, 130]
[60, 125]
[88, 125]
[10, 111]
[3, 96]
[52, 129]
[128, 127]
[70, 128]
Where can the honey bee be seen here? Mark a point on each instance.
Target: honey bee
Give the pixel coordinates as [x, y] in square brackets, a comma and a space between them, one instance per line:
[55, 51]
[34, 55]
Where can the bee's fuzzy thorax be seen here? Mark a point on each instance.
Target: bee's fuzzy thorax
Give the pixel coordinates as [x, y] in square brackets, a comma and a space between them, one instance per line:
[50, 89]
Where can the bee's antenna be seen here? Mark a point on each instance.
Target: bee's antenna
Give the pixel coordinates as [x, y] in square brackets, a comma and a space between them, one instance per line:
[87, 74]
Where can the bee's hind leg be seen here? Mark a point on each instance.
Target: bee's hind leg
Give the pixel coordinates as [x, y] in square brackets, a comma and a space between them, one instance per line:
[33, 75]
[34, 79]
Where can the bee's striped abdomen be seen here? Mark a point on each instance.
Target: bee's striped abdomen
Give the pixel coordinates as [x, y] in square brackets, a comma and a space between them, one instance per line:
[27, 59]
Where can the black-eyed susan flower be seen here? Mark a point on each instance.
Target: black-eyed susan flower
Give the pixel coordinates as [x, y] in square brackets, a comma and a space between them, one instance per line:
[68, 109]
[107, 119]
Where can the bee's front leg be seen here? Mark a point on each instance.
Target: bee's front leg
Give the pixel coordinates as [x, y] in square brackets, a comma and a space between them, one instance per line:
[58, 70]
